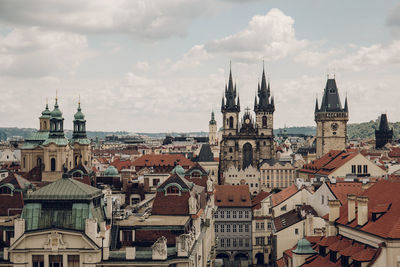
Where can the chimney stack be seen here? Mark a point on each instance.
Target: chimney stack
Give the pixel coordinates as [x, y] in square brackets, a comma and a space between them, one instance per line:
[362, 202]
[334, 209]
[351, 207]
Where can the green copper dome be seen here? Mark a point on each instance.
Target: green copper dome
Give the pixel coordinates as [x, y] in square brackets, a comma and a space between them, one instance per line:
[178, 170]
[79, 115]
[111, 171]
[304, 247]
[46, 113]
[56, 112]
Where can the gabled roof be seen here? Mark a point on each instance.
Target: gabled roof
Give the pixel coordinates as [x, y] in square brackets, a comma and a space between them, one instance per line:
[341, 189]
[205, 154]
[286, 193]
[65, 189]
[162, 160]
[329, 162]
[384, 198]
[256, 201]
[232, 196]
[292, 217]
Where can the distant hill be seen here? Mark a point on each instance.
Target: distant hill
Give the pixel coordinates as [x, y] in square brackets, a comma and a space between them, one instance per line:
[361, 130]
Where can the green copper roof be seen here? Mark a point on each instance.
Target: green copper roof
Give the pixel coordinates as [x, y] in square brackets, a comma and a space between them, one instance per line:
[79, 115]
[38, 136]
[82, 141]
[111, 171]
[212, 121]
[178, 170]
[46, 113]
[56, 141]
[56, 112]
[304, 247]
[65, 189]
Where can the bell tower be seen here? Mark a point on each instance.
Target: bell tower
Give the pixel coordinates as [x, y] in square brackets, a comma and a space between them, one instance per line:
[230, 109]
[45, 119]
[331, 120]
[81, 144]
[212, 133]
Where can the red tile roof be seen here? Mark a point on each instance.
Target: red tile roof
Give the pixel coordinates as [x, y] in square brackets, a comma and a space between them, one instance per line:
[283, 195]
[385, 193]
[163, 160]
[232, 196]
[121, 164]
[256, 201]
[329, 162]
[395, 152]
[341, 189]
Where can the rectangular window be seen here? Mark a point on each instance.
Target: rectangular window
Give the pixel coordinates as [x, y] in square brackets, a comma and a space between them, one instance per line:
[234, 242]
[353, 168]
[246, 214]
[240, 214]
[216, 215]
[222, 214]
[127, 236]
[37, 261]
[222, 228]
[260, 241]
[55, 261]
[228, 214]
[365, 167]
[234, 228]
[240, 242]
[155, 182]
[262, 225]
[73, 260]
[269, 240]
[240, 228]
[283, 208]
[222, 243]
[257, 225]
[322, 200]
[234, 214]
[228, 242]
[228, 228]
[246, 228]
[216, 228]
[359, 168]
[296, 231]
[247, 243]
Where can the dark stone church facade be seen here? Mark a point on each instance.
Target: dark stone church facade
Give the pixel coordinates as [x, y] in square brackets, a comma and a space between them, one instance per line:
[248, 140]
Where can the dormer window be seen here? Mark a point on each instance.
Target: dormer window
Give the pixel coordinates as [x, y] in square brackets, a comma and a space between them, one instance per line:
[195, 175]
[172, 190]
[5, 190]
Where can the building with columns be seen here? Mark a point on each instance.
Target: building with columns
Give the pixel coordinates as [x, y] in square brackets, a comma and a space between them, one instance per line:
[248, 141]
[48, 151]
[331, 120]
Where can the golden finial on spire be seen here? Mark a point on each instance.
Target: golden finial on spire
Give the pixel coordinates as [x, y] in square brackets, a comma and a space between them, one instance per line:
[79, 102]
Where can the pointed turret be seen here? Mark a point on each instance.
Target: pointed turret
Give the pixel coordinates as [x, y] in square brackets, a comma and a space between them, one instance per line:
[346, 108]
[255, 101]
[212, 121]
[383, 134]
[331, 99]
[264, 92]
[238, 101]
[56, 122]
[316, 104]
[223, 103]
[230, 95]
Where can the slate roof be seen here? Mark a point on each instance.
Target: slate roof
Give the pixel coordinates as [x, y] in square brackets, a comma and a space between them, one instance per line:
[272, 162]
[65, 189]
[205, 154]
[331, 99]
[232, 196]
[291, 217]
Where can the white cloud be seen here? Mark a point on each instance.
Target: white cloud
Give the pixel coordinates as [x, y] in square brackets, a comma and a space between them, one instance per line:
[36, 52]
[376, 55]
[142, 65]
[150, 19]
[271, 37]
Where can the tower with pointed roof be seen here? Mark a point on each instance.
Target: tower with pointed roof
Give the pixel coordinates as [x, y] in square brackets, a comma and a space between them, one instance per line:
[212, 133]
[45, 119]
[383, 134]
[79, 141]
[331, 119]
[249, 140]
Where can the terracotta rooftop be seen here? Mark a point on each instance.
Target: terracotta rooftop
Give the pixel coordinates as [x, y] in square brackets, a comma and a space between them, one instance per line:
[283, 195]
[232, 196]
[382, 195]
[341, 189]
[256, 201]
[329, 162]
[163, 160]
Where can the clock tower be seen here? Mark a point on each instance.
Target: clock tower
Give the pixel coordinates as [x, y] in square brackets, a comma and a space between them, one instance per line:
[331, 120]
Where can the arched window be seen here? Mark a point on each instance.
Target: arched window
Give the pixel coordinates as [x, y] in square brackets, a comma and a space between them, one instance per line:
[264, 121]
[231, 122]
[53, 164]
[77, 174]
[5, 190]
[172, 190]
[247, 155]
[230, 150]
[39, 162]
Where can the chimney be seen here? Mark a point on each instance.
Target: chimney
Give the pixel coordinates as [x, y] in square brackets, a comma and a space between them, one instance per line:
[334, 209]
[362, 202]
[351, 207]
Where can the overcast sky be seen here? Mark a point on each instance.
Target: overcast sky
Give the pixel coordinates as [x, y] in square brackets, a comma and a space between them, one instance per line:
[161, 65]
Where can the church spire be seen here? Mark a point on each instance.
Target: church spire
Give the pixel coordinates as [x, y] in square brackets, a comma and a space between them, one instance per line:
[316, 104]
[238, 101]
[230, 95]
[346, 107]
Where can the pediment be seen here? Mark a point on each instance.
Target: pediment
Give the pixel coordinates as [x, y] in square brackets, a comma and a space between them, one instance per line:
[53, 240]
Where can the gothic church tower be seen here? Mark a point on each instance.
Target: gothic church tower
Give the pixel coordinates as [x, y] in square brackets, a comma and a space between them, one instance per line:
[331, 120]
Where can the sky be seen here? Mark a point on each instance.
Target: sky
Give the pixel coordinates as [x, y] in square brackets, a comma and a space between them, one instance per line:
[161, 65]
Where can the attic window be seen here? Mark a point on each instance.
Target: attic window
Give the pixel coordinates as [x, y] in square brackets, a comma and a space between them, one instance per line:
[218, 200]
[230, 198]
[244, 198]
[332, 91]
[172, 190]
[5, 190]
